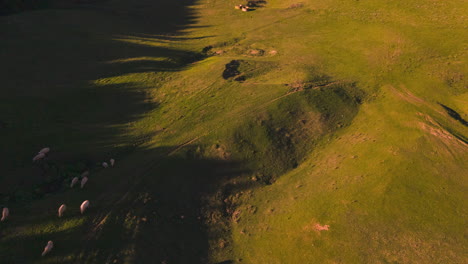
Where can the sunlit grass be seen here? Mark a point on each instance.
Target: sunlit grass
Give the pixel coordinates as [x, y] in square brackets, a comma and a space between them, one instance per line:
[54, 226]
[150, 42]
[139, 59]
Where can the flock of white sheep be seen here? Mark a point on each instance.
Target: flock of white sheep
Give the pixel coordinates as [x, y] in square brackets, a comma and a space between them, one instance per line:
[84, 205]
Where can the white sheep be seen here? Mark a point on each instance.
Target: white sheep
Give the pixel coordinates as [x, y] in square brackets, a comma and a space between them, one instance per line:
[83, 181]
[85, 174]
[44, 150]
[245, 8]
[84, 206]
[5, 214]
[61, 210]
[39, 156]
[48, 248]
[112, 162]
[105, 165]
[73, 182]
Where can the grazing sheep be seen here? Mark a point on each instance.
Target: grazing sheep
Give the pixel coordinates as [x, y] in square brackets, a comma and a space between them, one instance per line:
[105, 165]
[73, 182]
[62, 209]
[48, 248]
[83, 181]
[5, 214]
[44, 150]
[112, 162]
[85, 174]
[238, 6]
[39, 156]
[83, 206]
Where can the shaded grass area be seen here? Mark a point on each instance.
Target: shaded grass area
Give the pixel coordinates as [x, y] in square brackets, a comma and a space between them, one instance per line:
[454, 115]
[184, 206]
[55, 85]
[281, 136]
[8, 7]
[57, 93]
[160, 213]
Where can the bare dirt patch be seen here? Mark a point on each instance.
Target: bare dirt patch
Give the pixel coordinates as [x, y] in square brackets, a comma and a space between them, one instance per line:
[219, 151]
[236, 216]
[315, 226]
[273, 52]
[406, 95]
[319, 227]
[256, 52]
[434, 128]
[296, 5]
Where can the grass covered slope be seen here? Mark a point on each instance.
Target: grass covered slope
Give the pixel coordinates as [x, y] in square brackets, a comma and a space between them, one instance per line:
[313, 132]
[387, 198]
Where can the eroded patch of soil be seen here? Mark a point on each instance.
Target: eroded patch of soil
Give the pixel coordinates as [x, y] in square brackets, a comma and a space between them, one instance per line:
[315, 226]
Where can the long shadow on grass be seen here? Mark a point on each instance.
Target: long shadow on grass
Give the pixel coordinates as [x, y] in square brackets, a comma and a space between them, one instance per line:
[174, 213]
[73, 77]
[171, 209]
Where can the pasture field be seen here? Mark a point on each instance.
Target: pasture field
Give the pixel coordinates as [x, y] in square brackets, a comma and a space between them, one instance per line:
[312, 131]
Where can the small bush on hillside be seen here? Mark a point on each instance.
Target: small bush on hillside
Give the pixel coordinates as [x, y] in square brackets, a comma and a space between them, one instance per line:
[256, 3]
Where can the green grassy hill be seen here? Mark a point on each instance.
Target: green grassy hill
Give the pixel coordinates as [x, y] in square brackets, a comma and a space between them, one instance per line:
[330, 131]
